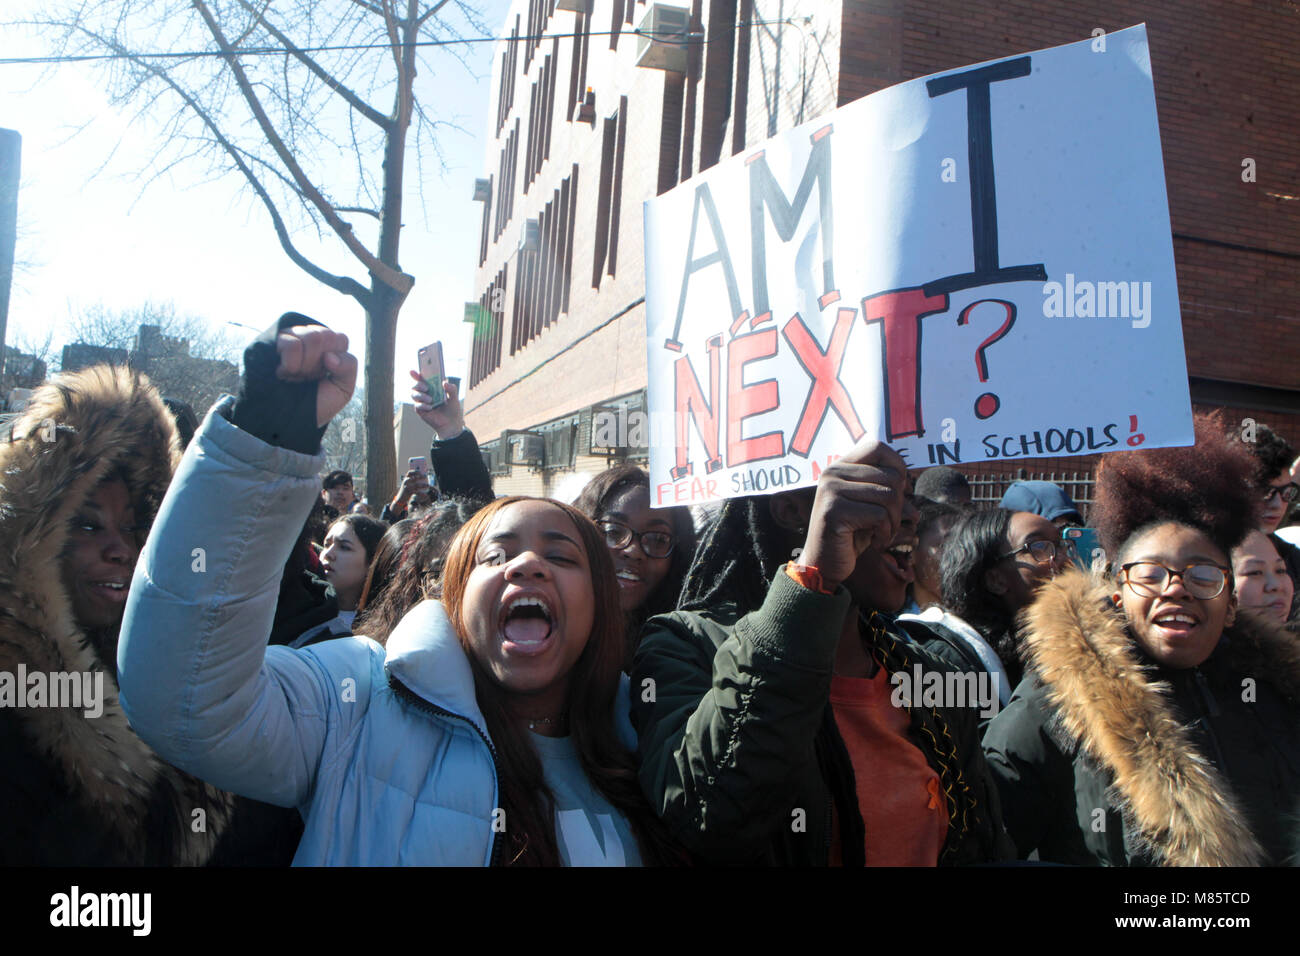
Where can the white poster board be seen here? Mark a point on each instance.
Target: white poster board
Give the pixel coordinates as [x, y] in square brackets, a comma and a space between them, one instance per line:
[971, 266]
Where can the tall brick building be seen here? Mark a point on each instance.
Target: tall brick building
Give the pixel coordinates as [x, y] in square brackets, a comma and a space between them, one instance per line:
[581, 135]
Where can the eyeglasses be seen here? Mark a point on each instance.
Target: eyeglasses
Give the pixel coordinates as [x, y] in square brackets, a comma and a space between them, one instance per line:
[655, 544]
[1202, 581]
[1288, 492]
[1044, 552]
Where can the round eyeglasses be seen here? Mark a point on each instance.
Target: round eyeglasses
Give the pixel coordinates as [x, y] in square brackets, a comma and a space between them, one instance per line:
[1043, 552]
[655, 544]
[1288, 492]
[1202, 581]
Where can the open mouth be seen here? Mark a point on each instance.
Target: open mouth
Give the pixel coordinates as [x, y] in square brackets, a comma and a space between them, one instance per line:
[114, 590]
[900, 556]
[627, 578]
[526, 623]
[1176, 622]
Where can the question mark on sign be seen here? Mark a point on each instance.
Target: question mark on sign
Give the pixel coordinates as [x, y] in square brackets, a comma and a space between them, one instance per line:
[988, 403]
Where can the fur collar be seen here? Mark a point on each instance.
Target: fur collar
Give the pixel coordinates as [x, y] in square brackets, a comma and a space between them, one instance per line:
[78, 429]
[1172, 797]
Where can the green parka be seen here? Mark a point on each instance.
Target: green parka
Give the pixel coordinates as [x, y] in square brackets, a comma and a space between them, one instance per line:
[738, 748]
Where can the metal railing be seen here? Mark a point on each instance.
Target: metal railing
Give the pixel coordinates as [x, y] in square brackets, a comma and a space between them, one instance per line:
[987, 490]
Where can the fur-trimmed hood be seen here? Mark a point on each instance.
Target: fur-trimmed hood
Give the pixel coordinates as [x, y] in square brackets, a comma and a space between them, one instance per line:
[78, 429]
[1175, 802]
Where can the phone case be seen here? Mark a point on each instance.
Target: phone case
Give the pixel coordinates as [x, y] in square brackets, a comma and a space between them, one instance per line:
[431, 370]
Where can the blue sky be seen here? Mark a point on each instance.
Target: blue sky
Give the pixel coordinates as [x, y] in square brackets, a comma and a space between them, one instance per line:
[93, 233]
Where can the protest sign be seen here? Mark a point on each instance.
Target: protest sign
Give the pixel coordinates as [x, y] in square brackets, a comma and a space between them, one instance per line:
[971, 266]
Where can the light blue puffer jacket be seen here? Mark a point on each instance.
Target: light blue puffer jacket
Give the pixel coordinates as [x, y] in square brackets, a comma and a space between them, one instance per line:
[384, 753]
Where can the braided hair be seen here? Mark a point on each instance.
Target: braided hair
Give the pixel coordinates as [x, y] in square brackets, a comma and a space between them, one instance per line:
[738, 555]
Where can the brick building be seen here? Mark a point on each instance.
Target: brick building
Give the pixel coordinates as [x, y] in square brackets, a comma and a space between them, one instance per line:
[580, 136]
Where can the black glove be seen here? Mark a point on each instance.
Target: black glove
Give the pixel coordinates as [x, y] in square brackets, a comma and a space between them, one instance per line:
[280, 413]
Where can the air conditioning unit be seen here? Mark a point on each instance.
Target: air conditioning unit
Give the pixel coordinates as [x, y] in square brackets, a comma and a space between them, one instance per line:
[561, 444]
[482, 190]
[663, 38]
[573, 6]
[526, 448]
[496, 458]
[529, 241]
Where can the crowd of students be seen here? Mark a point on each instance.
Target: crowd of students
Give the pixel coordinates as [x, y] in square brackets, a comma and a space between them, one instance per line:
[868, 672]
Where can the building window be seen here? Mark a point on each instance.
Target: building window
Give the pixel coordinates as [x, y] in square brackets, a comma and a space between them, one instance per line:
[719, 64]
[670, 131]
[578, 66]
[541, 113]
[616, 23]
[506, 93]
[485, 355]
[542, 282]
[741, 107]
[506, 177]
[539, 11]
[610, 198]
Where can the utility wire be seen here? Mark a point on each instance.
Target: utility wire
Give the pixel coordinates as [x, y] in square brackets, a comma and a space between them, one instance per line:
[683, 39]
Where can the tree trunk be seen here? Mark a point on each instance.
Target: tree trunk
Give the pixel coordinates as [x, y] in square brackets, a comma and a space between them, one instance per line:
[381, 343]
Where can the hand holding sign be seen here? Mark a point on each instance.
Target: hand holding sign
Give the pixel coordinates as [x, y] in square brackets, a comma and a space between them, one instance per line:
[859, 504]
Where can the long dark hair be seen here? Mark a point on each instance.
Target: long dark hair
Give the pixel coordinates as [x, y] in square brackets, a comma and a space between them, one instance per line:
[526, 799]
[595, 501]
[383, 565]
[740, 550]
[972, 548]
[369, 531]
[408, 565]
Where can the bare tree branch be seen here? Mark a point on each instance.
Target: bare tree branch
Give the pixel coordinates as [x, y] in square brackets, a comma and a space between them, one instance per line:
[341, 283]
[398, 281]
[359, 209]
[356, 102]
[430, 12]
[394, 42]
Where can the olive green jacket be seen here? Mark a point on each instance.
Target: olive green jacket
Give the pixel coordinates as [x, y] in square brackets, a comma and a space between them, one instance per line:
[738, 748]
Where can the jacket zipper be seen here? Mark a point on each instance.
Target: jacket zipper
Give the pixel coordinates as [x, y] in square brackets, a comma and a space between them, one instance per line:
[412, 697]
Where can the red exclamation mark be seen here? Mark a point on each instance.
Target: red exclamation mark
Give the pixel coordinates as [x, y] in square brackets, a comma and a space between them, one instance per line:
[1137, 438]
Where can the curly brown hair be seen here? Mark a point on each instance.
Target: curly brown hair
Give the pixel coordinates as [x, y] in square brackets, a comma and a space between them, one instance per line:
[1207, 486]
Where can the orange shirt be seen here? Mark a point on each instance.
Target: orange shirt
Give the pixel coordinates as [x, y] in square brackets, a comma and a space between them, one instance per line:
[903, 805]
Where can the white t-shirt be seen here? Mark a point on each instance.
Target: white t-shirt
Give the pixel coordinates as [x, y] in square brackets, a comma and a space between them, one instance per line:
[589, 831]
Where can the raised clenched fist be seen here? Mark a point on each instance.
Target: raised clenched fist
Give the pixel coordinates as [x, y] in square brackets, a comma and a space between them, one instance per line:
[313, 353]
[859, 503]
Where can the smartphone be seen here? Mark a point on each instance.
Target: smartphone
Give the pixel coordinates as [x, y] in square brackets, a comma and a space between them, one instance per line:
[1087, 546]
[431, 370]
[418, 464]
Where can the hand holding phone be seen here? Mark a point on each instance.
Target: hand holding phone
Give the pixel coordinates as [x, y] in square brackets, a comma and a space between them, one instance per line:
[433, 374]
[448, 419]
